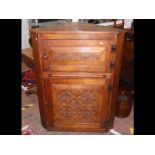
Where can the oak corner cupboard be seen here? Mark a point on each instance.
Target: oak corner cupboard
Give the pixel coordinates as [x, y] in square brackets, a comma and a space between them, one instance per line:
[77, 68]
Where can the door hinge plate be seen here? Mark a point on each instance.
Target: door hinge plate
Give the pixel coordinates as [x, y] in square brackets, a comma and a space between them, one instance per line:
[110, 87]
[113, 48]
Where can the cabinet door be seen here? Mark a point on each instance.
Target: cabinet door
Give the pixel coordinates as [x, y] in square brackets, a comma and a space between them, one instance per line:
[77, 102]
[76, 55]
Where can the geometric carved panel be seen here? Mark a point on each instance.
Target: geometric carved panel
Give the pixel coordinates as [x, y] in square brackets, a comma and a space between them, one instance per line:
[81, 105]
[77, 56]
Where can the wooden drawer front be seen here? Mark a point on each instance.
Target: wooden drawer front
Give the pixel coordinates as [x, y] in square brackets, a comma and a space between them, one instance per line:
[70, 57]
[78, 101]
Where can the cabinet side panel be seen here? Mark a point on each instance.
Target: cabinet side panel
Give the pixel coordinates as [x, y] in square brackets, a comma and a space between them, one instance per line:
[115, 80]
[37, 68]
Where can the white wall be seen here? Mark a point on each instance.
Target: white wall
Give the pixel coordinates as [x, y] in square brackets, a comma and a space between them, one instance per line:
[25, 34]
[127, 23]
[74, 20]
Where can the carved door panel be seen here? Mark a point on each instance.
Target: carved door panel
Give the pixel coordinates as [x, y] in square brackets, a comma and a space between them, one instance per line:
[78, 101]
[76, 55]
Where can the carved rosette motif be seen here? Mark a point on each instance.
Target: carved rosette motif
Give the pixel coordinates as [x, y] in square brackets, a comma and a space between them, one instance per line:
[80, 106]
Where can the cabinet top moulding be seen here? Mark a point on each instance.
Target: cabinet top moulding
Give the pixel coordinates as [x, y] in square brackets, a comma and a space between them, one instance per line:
[76, 28]
[77, 31]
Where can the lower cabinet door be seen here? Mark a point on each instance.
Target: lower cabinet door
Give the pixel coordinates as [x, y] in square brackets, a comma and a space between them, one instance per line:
[77, 103]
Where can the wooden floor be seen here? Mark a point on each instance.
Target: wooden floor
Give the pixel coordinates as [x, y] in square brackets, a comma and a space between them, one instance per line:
[31, 117]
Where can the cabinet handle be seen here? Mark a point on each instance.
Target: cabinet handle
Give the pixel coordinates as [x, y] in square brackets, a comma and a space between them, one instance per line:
[45, 56]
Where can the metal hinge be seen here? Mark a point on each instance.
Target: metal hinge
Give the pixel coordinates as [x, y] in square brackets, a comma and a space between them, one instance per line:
[113, 48]
[110, 87]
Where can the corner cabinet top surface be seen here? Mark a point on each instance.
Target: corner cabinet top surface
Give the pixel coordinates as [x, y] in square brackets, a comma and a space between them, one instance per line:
[77, 28]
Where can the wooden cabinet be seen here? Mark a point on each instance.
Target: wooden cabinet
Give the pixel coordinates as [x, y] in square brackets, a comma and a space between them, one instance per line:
[77, 70]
